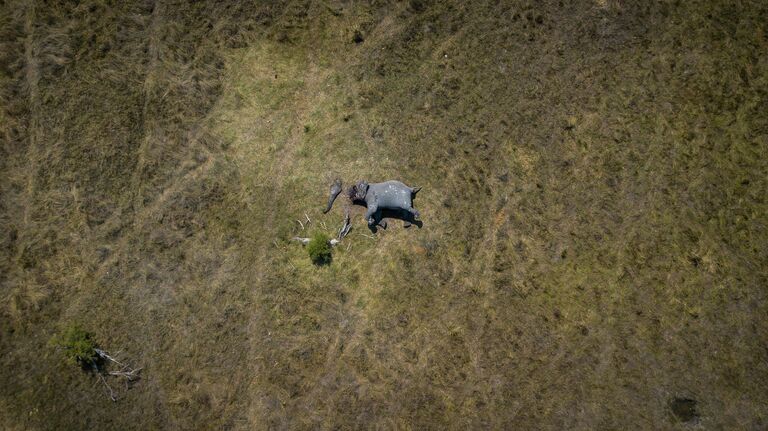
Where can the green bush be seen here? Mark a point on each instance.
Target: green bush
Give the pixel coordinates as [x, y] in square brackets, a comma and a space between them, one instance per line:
[319, 249]
[79, 346]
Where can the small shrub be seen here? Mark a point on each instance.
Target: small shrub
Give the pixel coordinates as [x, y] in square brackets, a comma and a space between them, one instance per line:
[319, 249]
[79, 346]
[358, 37]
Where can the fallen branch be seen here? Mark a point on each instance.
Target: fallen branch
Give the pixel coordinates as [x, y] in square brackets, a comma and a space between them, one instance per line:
[80, 348]
[130, 375]
[112, 395]
[104, 355]
[307, 222]
[125, 372]
[304, 241]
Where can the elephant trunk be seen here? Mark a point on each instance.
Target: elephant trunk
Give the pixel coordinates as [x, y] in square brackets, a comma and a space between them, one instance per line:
[335, 190]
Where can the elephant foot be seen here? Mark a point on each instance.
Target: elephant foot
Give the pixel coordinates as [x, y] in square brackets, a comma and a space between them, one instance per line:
[372, 223]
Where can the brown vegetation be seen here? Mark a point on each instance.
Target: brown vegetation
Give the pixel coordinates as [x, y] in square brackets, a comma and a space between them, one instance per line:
[593, 251]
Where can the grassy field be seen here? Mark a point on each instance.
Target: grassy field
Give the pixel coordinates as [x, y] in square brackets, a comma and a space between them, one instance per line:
[593, 254]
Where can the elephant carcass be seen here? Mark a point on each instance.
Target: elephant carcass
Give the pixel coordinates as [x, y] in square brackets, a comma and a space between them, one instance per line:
[391, 198]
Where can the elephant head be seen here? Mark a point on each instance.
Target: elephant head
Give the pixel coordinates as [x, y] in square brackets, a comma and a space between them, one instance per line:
[358, 191]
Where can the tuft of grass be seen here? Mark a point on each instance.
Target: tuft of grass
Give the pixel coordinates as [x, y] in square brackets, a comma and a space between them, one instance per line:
[319, 249]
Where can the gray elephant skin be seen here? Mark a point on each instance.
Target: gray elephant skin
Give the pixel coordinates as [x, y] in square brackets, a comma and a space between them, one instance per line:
[386, 199]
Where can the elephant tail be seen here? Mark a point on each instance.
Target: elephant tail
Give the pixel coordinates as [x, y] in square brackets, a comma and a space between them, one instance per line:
[415, 190]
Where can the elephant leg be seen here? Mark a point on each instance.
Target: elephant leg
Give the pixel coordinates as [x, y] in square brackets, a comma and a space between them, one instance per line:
[372, 209]
[406, 217]
[378, 218]
[413, 212]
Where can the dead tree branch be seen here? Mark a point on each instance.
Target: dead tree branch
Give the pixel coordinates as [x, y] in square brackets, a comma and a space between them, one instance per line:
[304, 241]
[112, 395]
[127, 373]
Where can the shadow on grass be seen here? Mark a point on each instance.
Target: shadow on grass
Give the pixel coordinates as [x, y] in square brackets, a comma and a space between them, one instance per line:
[406, 217]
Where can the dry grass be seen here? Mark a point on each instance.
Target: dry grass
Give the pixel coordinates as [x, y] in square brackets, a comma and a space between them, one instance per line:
[593, 196]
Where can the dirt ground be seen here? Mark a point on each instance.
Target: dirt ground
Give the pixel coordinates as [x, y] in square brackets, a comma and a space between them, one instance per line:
[593, 182]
